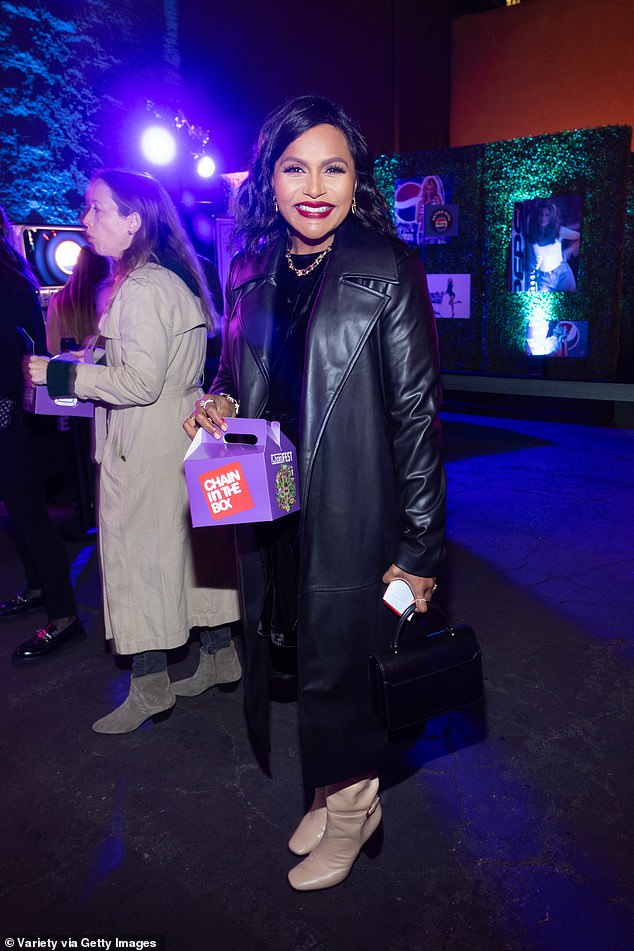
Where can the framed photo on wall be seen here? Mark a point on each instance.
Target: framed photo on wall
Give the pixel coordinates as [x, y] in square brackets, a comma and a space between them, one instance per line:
[413, 200]
[545, 243]
[450, 295]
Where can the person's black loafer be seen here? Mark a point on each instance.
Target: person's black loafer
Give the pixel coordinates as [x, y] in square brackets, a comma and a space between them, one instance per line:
[47, 642]
[21, 604]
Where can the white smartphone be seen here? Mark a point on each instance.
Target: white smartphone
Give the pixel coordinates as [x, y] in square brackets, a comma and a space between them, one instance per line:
[398, 596]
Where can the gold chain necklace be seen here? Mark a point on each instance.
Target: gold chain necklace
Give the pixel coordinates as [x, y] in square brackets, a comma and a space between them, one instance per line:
[303, 271]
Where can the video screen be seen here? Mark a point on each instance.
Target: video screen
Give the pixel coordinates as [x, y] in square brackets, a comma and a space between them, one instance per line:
[51, 251]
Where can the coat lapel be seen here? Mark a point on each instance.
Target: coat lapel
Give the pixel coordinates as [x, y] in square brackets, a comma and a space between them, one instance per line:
[256, 287]
[352, 297]
[350, 302]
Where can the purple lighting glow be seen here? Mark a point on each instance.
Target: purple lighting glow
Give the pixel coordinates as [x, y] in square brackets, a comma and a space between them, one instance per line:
[158, 145]
[66, 254]
[205, 166]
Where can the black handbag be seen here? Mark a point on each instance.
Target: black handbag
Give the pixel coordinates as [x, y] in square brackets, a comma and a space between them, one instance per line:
[433, 674]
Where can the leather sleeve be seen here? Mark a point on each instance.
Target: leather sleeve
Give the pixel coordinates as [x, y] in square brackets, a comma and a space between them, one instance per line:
[411, 385]
[224, 381]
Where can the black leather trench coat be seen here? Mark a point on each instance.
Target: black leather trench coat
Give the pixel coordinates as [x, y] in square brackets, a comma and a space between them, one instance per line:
[372, 485]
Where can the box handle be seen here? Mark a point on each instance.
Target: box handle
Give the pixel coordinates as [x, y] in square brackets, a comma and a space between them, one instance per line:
[249, 439]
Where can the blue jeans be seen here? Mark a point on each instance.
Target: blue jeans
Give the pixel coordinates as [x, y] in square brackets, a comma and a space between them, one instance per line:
[212, 639]
[561, 279]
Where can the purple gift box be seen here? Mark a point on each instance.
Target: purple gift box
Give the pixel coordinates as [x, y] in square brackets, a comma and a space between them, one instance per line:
[36, 399]
[250, 475]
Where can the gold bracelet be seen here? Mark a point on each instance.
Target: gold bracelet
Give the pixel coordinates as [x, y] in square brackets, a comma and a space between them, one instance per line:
[233, 400]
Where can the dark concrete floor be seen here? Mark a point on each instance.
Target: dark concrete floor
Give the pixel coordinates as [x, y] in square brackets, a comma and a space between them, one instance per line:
[511, 831]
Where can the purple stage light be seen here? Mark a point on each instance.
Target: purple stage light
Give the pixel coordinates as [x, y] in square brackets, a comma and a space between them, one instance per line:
[52, 251]
[66, 254]
[205, 166]
[158, 145]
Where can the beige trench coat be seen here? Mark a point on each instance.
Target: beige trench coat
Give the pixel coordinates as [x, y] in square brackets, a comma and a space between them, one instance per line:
[160, 577]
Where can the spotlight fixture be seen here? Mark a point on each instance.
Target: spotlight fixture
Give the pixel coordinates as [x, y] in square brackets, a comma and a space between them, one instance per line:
[158, 145]
[66, 254]
[51, 250]
[205, 166]
[195, 136]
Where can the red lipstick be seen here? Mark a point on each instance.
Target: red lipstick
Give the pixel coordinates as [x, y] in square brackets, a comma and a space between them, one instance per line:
[314, 209]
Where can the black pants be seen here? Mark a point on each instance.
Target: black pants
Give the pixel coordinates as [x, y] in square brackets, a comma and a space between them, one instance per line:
[24, 467]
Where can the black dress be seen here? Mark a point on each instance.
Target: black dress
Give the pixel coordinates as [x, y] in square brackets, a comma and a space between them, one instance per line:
[278, 540]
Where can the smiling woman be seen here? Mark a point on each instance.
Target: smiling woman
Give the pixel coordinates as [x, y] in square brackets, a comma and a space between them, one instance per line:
[314, 183]
[330, 331]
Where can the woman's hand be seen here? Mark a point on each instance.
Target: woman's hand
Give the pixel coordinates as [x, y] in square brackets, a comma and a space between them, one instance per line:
[422, 588]
[34, 370]
[210, 413]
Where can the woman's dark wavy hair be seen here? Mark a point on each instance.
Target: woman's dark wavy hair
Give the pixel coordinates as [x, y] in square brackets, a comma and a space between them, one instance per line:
[13, 265]
[258, 225]
[161, 238]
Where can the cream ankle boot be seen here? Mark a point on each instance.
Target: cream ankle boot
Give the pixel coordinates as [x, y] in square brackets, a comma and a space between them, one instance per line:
[311, 829]
[352, 815]
[148, 696]
[223, 667]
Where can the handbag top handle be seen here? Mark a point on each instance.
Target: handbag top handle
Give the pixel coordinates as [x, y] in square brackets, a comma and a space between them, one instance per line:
[407, 615]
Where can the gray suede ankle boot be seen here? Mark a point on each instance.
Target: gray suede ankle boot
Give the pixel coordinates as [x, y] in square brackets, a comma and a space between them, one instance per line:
[223, 667]
[148, 696]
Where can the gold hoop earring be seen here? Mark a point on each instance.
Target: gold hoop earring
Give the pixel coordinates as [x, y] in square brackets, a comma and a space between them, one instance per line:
[353, 207]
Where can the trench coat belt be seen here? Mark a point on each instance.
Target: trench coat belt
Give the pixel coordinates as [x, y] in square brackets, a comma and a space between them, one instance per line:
[179, 392]
[101, 415]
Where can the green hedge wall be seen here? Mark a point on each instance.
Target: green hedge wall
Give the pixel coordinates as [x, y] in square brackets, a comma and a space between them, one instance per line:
[487, 181]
